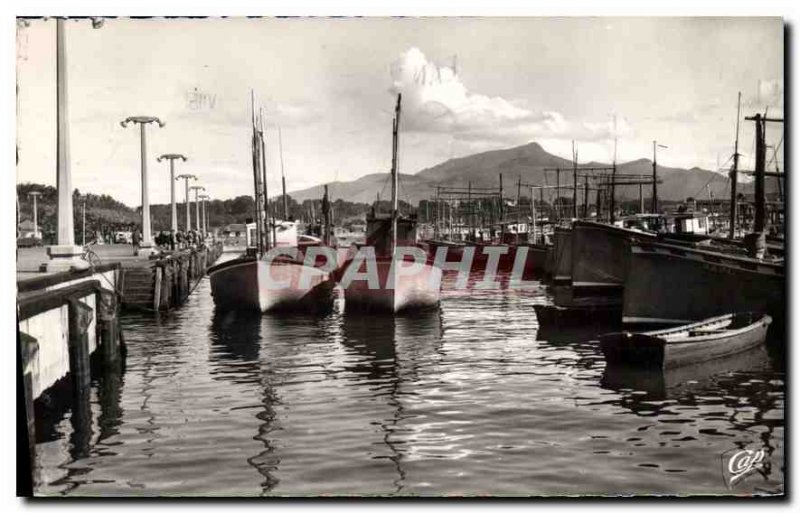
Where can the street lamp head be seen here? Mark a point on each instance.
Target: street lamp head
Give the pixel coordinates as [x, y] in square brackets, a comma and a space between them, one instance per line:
[34, 193]
[141, 120]
[186, 176]
[171, 156]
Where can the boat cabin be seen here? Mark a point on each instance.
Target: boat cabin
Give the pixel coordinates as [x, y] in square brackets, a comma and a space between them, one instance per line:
[689, 222]
[281, 234]
[379, 228]
[680, 222]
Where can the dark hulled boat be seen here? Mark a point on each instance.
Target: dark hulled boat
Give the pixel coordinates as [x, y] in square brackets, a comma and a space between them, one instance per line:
[677, 284]
[600, 255]
[562, 256]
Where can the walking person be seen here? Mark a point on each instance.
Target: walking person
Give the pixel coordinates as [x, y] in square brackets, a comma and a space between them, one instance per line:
[137, 238]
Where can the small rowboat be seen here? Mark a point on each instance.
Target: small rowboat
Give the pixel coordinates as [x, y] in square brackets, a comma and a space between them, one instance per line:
[692, 343]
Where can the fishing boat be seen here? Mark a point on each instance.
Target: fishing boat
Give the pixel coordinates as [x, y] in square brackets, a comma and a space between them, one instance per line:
[536, 257]
[670, 284]
[709, 339]
[394, 291]
[600, 255]
[252, 283]
[272, 274]
[562, 256]
[454, 250]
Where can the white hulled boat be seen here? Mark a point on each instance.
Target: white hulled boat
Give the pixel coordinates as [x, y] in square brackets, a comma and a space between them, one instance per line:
[273, 274]
[391, 239]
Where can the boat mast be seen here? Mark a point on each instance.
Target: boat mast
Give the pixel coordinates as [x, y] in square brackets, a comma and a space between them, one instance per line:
[557, 202]
[326, 215]
[501, 211]
[586, 197]
[533, 217]
[574, 182]
[613, 184]
[759, 223]
[267, 243]
[254, 148]
[655, 185]
[436, 215]
[283, 177]
[395, 174]
[734, 170]
[519, 193]
[470, 219]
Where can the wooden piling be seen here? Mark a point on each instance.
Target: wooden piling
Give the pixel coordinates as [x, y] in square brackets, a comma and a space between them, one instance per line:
[80, 317]
[168, 282]
[29, 355]
[157, 289]
[108, 329]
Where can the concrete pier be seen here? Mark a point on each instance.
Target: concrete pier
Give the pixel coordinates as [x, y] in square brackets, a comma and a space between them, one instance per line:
[68, 327]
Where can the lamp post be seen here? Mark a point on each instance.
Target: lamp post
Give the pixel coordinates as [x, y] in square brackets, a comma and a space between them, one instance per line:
[65, 254]
[35, 195]
[197, 189]
[172, 157]
[83, 218]
[147, 237]
[205, 198]
[186, 179]
[655, 177]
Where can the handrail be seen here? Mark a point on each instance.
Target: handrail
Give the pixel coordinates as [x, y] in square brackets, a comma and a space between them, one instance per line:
[48, 280]
[42, 301]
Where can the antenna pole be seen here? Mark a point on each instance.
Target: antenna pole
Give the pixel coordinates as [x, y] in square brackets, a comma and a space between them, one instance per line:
[654, 207]
[395, 177]
[574, 181]
[733, 174]
[519, 192]
[283, 177]
[612, 202]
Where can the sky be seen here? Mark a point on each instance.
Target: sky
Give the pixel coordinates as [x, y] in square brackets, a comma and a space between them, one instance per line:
[330, 85]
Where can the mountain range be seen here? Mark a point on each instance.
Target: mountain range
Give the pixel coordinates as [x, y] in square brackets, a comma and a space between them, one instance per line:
[528, 162]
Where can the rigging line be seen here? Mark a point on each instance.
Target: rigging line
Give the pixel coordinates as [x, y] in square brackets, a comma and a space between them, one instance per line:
[385, 182]
[720, 168]
[775, 153]
[711, 178]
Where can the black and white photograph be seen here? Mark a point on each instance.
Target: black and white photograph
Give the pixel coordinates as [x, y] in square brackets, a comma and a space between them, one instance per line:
[417, 256]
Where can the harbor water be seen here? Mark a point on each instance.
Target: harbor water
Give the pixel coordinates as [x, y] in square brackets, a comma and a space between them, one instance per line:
[473, 399]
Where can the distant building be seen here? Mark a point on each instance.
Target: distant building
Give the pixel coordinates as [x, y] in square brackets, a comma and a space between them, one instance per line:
[234, 234]
[27, 229]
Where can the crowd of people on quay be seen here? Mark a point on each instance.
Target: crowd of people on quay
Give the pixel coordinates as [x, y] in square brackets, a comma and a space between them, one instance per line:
[174, 241]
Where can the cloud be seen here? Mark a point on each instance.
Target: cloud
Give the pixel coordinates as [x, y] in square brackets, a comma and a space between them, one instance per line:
[435, 100]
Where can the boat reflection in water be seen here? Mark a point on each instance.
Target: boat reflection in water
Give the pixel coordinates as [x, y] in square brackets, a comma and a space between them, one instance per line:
[674, 383]
[391, 354]
[371, 363]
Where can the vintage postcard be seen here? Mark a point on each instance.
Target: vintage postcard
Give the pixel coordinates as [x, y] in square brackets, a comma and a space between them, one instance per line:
[401, 257]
